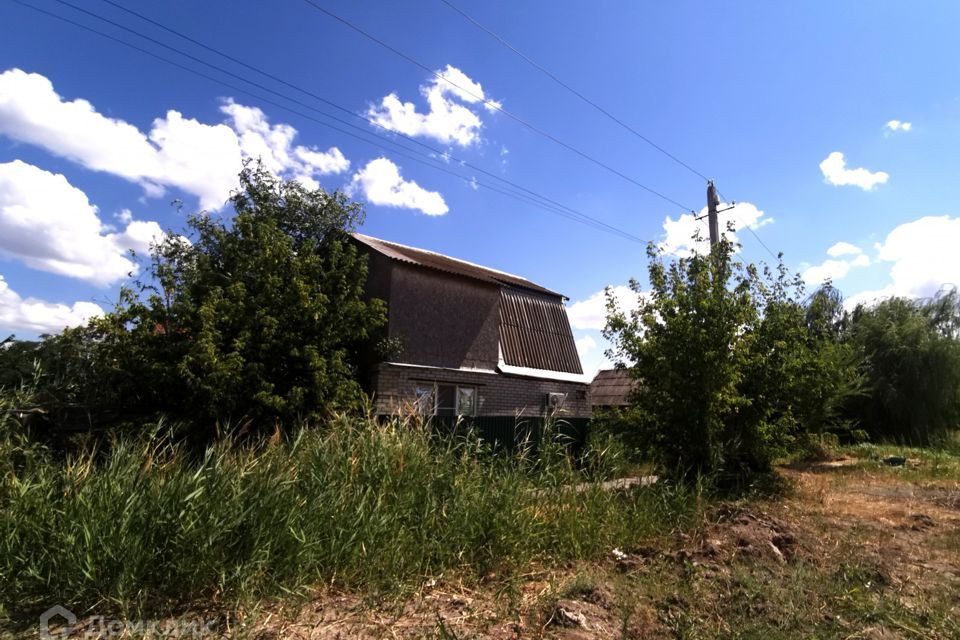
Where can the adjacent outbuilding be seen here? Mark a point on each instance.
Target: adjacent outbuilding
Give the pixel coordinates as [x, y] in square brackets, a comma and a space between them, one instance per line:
[611, 389]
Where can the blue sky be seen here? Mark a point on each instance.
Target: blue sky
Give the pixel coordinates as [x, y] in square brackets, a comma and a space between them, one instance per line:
[786, 105]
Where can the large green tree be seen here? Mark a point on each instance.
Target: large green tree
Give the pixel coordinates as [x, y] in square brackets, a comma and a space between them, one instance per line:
[910, 356]
[260, 317]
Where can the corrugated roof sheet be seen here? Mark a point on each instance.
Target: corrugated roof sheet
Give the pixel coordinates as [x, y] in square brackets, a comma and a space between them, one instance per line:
[432, 260]
[611, 388]
[535, 332]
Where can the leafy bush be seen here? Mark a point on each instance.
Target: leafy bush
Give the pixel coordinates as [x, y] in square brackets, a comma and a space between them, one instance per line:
[730, 371]
[910, 358]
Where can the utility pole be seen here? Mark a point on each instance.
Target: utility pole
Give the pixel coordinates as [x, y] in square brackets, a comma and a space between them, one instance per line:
[712, 202]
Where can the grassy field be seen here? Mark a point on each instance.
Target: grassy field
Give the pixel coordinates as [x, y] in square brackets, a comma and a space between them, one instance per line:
[142, 526]
[367, 530]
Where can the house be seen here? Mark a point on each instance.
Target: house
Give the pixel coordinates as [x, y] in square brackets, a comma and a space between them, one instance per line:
[611, 389]
[471, 341]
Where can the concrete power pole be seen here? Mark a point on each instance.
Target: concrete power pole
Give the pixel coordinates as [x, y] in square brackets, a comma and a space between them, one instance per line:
[712, 202]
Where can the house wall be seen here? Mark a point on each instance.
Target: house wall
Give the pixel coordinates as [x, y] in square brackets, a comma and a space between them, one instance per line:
[394, 389]
[442, 320]
[379, 272]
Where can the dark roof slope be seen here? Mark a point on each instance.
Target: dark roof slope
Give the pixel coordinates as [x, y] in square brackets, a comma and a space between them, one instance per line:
[611, 388]
[535, 332]
[431, 260]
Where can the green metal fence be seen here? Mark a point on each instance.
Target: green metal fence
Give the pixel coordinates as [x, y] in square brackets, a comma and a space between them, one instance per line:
[512, 433]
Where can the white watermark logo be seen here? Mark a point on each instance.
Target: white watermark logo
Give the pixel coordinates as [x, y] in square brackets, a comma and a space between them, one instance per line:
[57, 617]
[59, 623]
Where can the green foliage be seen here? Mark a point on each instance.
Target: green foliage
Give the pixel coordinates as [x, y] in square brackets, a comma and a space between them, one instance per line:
[260, 318]
[910, 357]
[731, 365]
[17, 359]
[143, 525]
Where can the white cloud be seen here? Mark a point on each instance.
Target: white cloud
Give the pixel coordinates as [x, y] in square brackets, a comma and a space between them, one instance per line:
[38, 316]
[860, 261]
[833, 270]
[50, 225]
[273, 145]
[585, 344]
[897, 125]
[200, 159]
[381, 183]
[835, 172]
[844, 249]
[447, 121]
[923, 256]
[679, 233]
[837, 267]
[591, 312]
[592, 356]
[180, 152]
[124, 215]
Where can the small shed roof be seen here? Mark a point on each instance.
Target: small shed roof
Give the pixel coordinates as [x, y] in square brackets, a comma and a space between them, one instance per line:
[432, 260]
[611, 388]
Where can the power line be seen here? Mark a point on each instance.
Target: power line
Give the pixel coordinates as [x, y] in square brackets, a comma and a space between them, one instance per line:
[320, 98]
[763, 244]
[493, 105]
[593, 104]
[566, 86]
[529, 196]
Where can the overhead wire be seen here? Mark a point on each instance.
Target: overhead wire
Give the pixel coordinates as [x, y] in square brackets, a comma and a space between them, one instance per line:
[524, 122]
[763, 244]
[493, 105]
[522, 193]
[536, 65]
[503, 41]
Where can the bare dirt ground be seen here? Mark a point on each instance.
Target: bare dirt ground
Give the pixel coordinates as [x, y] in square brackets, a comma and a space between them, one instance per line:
[857, 550]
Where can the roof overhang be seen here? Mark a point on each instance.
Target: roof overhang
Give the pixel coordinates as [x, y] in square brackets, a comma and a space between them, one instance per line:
[543, 374]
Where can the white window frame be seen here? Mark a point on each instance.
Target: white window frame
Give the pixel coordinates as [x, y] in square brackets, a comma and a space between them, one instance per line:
[435, 393]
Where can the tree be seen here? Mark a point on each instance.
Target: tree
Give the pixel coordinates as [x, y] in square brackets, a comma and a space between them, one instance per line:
[260, 317]
[910, 357]
[728, 371]
[685, 343]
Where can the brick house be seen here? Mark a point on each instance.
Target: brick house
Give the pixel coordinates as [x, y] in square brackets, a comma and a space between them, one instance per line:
[473, 342]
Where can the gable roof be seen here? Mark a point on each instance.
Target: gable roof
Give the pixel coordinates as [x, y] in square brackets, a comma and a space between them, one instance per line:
[440, 262]
[611, 388]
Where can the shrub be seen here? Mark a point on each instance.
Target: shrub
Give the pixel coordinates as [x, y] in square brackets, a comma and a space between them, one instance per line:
[729, 372]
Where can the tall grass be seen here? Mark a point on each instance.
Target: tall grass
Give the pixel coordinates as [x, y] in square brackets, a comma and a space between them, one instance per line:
[144, 525]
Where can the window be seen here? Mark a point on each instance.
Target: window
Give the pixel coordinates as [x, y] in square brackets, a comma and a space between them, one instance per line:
[466, 401]
[445, 400]
[426, 403]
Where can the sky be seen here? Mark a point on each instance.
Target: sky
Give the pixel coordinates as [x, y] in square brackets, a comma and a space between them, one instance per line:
[833, 126]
